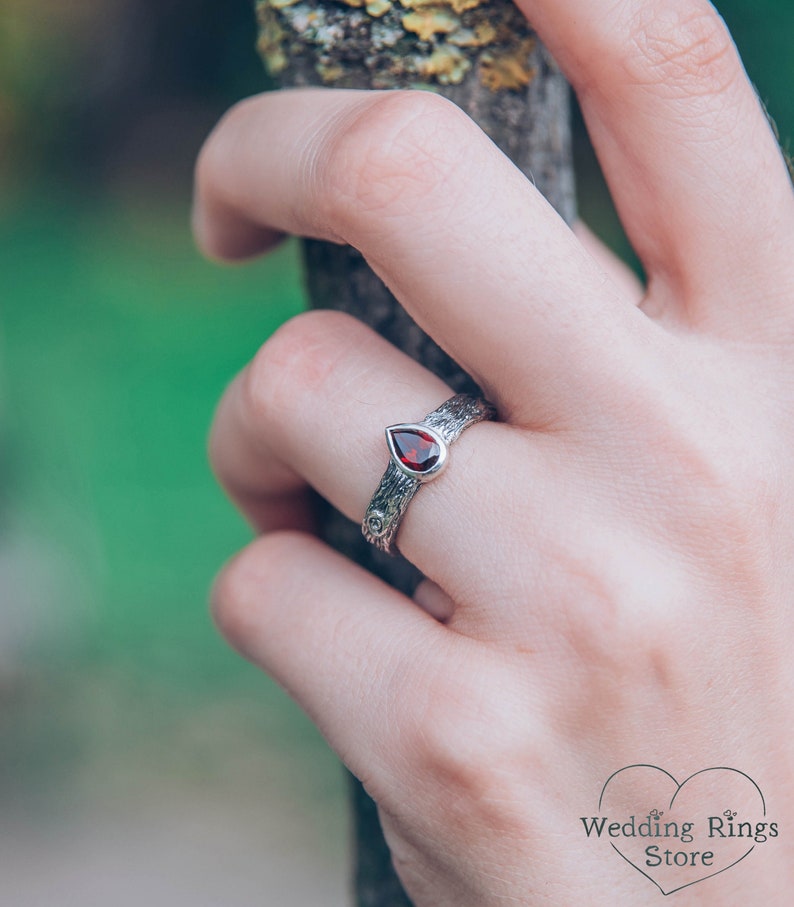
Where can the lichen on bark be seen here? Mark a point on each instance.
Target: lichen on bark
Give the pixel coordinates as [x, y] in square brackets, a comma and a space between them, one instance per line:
[402, 43]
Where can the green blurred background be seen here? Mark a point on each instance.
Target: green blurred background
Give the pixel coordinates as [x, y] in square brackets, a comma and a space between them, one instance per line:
[140, 761]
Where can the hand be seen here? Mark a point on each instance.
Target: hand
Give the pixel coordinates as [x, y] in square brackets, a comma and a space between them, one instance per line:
[609, 567]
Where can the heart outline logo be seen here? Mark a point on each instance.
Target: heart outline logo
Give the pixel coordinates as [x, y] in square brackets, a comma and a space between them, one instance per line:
[678, 788]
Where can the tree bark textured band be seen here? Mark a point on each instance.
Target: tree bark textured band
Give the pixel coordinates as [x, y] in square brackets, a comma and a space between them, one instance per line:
[419, 453]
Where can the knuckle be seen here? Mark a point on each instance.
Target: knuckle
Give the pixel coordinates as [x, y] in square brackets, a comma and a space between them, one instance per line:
[738, 487]
[748, 492]
[247, 584]
[467, 746]
[294, 363]
[397, 149]
[611, 614]
[711, 464]
[680, 47]
[726, 491]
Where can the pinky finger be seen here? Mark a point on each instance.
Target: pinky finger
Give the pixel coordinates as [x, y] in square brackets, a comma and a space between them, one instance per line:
[342, 643]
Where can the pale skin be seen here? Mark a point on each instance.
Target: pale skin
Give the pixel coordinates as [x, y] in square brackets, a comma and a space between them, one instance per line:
[609, 566]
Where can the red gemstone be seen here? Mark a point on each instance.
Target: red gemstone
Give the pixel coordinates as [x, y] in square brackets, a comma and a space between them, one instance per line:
[416, 450]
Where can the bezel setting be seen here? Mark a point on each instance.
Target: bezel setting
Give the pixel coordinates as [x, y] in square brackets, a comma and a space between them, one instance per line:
[414, 461]
[418, 428]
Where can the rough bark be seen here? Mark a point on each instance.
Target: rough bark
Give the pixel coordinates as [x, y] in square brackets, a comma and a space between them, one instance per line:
[481, 55]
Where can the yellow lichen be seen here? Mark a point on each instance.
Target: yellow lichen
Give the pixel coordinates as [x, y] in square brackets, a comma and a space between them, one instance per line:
[447, 64]
[459, 6]
[330, 73]
[378, 8]
[507, 70]
[430, 21]
[270, 43]
[444, 40]
[484, 33]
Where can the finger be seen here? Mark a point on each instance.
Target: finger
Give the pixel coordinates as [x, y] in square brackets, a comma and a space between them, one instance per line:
[231, 239]
[347, 647]
[687, 149]
[617, 270]
[313, 407]
[273, 498]
[443, 217]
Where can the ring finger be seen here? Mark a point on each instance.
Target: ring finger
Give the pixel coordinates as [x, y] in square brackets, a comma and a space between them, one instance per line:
[311, 410]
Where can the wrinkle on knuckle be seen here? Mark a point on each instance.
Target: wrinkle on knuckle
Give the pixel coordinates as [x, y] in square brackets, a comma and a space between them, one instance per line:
[681, 49]
[396, 151]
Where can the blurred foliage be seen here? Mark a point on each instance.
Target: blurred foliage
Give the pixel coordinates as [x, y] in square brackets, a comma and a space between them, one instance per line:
[89, 85]
[119, 339]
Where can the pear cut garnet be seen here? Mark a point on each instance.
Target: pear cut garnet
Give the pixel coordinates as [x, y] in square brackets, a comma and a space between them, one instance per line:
[416, 450]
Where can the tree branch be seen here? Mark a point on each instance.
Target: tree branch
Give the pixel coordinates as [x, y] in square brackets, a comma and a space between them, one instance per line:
[485, 58]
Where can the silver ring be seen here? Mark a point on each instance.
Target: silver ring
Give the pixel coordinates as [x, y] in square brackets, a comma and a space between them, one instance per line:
[419, 452]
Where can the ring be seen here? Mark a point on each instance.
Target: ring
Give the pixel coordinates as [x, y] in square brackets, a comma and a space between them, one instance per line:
[419, 452]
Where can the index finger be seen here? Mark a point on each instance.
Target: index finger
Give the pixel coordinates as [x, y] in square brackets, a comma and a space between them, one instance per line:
[466, 243]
